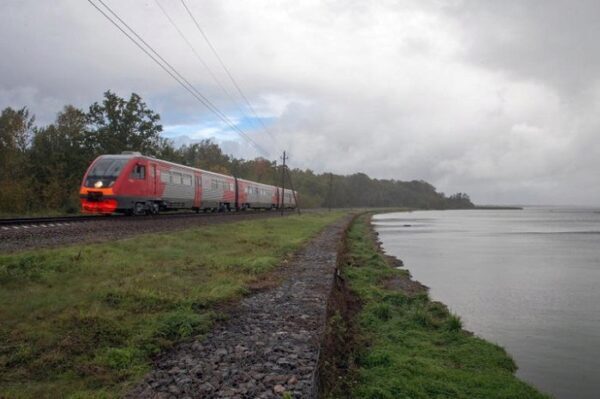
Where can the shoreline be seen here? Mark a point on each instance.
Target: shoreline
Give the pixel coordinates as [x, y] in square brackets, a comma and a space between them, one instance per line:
[386, 338]
[498, 207]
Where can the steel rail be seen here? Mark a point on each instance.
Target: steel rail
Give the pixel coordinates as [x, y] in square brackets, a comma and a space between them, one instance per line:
[84, 218]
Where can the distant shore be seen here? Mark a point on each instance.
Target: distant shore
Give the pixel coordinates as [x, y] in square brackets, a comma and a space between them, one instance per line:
[499, 207]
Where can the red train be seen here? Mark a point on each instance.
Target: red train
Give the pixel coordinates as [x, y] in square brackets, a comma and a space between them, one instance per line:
[135, 184]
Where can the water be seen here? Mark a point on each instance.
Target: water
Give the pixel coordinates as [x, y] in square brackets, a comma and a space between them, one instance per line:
[528, 280]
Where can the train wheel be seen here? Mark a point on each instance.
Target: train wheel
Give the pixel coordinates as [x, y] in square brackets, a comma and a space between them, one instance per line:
[139, 209]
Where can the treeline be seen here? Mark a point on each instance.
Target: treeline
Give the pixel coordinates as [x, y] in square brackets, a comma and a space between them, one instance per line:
[41, 167]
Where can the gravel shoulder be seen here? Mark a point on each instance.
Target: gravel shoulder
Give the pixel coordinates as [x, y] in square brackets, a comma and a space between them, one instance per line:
[269, 344]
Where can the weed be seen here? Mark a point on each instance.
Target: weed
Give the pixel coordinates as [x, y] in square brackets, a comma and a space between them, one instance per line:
[119, 358]
[382, 311]
[414, 348]
[85, 321]
[182, 323]
[454, 323]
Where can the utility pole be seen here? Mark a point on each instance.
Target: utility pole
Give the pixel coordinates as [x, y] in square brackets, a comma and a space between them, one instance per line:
[293, 190]
[283, 184]
[330, 196]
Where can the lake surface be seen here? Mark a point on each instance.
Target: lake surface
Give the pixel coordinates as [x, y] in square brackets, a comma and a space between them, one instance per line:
[528, 280]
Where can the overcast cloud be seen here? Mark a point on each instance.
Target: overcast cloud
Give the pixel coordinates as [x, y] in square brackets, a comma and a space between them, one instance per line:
[499, 99]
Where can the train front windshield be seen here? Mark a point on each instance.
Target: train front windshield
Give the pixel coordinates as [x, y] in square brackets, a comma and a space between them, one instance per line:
[105, 171]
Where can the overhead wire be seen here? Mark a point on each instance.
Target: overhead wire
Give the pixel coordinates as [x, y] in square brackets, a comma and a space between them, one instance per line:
[195, 52]
[222, 63]
[169, 69]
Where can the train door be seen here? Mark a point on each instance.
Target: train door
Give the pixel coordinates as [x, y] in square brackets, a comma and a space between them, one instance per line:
[198, 191]
[154, 181]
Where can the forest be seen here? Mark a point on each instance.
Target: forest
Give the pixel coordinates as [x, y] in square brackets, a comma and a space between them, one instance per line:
[41, 167]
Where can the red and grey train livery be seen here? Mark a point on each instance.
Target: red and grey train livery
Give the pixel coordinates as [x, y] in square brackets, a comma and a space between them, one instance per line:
[135, 184]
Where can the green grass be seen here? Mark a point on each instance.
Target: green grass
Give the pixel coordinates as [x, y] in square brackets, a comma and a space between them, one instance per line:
[84, 321]
[413, 347]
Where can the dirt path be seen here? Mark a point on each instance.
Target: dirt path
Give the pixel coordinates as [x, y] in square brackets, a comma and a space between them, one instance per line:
[268, 346]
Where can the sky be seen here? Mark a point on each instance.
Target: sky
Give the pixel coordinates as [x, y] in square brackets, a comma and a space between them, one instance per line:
[498, 99]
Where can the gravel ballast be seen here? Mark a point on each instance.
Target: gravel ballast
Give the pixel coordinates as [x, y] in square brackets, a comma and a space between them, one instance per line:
[269, 345]
[53, 235]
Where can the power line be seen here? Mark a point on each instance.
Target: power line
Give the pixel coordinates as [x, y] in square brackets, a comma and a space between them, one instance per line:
[204, 64]
[167, 67]
[206, 102]
[214, 51]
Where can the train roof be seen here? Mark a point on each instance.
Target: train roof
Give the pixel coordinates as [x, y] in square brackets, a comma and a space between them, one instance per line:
[137, 155]
[134, 154]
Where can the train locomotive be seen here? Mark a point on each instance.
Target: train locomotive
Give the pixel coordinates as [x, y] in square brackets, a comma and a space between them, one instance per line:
[134, 184]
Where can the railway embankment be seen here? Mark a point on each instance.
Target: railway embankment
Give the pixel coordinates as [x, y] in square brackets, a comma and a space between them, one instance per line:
[269, 345]
[93, 320]
[293, 307]
[67, 231]
[385, 337]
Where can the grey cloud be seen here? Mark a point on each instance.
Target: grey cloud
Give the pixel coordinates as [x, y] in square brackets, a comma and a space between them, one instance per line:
[498, 99]
[554, 42]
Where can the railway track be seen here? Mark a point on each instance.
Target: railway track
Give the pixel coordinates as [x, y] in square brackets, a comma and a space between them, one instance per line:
[52, 232]
[26, 223]
[9, 223]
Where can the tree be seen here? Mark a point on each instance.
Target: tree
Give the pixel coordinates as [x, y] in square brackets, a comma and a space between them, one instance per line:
[206, 155]
[41, 168]
[459, 200]
[60, 153]
[16, 129]
[15, 134]
[118, 125]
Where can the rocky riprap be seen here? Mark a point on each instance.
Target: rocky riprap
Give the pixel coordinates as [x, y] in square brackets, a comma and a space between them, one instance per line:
[269, 345]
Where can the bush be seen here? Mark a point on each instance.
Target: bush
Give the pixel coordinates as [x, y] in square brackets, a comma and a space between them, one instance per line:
[119, 358]
[453, 323]
[182, 323]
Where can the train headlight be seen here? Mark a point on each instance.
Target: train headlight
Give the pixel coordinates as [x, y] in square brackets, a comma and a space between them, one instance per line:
[98, 184]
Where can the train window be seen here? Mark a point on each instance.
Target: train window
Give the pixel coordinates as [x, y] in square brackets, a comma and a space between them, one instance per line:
[138, 172]
[187, 180]
[176, 178]
[105, 170]
[165, 177]
[199, 181]
[107, 167]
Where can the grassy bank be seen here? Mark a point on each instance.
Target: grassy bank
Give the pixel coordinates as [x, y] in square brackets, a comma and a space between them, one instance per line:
[85, 320]
[403, 345]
